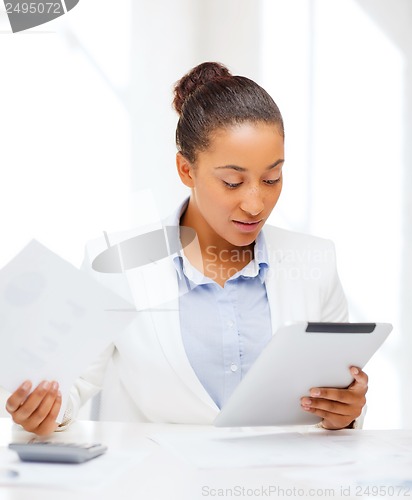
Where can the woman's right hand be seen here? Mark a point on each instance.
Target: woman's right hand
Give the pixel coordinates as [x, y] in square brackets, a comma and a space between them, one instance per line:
[36, 411]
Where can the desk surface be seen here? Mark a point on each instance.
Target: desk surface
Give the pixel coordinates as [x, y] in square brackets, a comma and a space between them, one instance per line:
[153, 461]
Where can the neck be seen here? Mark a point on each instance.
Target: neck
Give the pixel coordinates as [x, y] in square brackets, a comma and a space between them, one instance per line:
[215, 251]
[207, 237]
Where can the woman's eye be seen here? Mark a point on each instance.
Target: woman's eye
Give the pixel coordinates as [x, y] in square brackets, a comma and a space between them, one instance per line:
[270, 182]
[232, 185]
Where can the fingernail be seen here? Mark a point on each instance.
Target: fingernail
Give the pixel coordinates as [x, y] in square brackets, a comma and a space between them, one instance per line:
[355, 371]
[46, 385]
[59, 394]
[315, 392]
[306, 408]
[306, 401]
[26, 385]
[55, 386]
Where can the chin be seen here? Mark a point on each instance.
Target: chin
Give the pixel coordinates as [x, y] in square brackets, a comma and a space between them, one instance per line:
[242, 240]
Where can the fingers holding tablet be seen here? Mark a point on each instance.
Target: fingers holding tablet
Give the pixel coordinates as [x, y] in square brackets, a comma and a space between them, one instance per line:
[338, 407]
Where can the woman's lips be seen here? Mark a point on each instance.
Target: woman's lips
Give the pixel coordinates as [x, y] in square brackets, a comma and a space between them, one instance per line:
[247, 227]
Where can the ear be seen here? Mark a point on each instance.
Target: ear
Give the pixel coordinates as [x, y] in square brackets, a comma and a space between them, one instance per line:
[185, 170]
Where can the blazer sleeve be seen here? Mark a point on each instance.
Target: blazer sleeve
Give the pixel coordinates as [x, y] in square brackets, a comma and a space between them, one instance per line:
[86, 386]
[91, 381]
[334, 303]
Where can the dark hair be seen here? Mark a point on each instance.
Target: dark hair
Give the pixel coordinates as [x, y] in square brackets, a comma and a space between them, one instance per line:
[209, 98]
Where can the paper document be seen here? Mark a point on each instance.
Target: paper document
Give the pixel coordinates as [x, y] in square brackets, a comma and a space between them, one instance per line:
[54, 320]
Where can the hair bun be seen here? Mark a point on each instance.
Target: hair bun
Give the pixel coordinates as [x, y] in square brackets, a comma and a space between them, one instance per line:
[198, 76]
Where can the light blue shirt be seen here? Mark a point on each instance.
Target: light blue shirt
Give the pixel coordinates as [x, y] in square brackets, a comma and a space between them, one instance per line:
[224, 329]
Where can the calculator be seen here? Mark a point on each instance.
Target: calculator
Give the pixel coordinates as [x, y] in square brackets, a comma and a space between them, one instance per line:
[48, 451]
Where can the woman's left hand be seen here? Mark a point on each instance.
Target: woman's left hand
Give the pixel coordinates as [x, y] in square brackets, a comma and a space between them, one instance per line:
[338, 407]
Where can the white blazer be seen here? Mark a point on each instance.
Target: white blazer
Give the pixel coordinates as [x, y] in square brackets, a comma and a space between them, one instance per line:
[146, 374]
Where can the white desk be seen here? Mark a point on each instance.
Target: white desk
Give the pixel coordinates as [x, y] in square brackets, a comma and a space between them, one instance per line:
[357, 460]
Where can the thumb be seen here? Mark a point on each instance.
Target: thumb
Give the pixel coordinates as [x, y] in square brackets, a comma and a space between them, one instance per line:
[361, 379]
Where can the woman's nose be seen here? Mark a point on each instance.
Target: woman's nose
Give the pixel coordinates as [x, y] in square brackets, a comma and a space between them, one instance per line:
[252, 202]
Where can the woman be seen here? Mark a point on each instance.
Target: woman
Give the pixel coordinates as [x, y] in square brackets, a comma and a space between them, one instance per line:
[236, 285]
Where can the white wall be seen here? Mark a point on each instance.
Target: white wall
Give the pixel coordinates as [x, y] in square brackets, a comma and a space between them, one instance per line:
[340, 74]
[394, 18]
[164, 48]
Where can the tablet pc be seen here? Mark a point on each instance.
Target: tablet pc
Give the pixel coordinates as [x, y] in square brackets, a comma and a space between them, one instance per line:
[298, 357]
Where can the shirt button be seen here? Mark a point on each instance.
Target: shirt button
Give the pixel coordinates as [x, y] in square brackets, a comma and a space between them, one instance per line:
[233, 367]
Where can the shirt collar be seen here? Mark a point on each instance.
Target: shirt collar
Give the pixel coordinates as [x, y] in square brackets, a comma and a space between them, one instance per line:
[174, 220]
[261, 259]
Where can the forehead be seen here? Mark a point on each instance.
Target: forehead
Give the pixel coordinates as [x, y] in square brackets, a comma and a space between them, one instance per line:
[246, 145]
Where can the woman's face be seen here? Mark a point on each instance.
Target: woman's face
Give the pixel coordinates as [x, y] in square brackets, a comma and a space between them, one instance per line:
[237, 181]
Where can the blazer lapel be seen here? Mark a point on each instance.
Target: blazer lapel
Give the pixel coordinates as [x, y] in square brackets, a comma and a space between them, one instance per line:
[277, 287]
